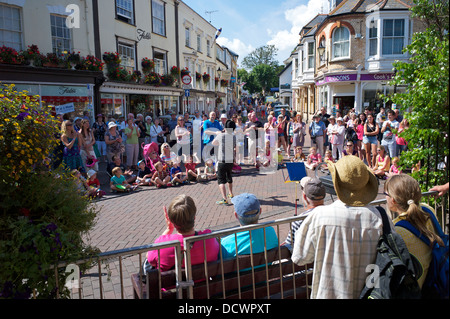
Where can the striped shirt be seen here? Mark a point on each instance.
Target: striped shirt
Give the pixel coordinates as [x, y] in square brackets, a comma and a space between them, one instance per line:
[342, 242]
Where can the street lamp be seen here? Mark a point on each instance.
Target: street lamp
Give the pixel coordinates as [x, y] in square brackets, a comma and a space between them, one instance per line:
[219, 72]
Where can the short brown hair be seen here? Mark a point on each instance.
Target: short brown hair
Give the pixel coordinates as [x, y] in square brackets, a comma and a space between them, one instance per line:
[182, 212]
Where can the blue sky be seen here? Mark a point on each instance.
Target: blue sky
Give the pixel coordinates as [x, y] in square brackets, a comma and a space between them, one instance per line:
[249, 24]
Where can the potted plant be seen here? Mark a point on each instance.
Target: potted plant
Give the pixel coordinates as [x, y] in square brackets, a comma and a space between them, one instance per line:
[136, 76]
[91, 63]
[206, 78]
[198, 76]
[52, 61]
[32, 55]
[10, 56]
[224, 83]
[185, 71]
[73, 59]
[112, 58]
[167, 79]
[147, 65]
[153, 78]
[175, 71]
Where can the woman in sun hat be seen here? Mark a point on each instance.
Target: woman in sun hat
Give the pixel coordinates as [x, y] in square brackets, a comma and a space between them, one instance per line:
[341, 239]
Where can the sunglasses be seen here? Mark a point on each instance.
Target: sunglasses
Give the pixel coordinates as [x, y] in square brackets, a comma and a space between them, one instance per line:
[385, 193]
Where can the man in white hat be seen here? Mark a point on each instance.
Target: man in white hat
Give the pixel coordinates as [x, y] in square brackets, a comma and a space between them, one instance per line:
[341, 239]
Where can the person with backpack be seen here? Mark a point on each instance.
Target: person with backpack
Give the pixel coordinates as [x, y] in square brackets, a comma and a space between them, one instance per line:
[420, 231]
[341, 239]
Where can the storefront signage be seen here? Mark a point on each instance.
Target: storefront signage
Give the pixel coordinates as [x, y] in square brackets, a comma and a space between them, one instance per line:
[143, 35]
[66, 108]
[338, 78]
[377, 77]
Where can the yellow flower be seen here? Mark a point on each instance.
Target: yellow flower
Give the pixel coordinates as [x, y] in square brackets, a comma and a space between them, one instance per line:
[30, 161]
[7, 120]
[8, 155]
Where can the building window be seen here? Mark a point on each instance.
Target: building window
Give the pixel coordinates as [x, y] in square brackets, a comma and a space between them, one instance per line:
[393, 36]
[310, 55]
[208, 48]
[199, 43]
[10, 27]
[61, 35]
[373, 38]
[125, 11]
[188, 37]
[341, 43]
[127, 54]
[158, 17]
[160, 59]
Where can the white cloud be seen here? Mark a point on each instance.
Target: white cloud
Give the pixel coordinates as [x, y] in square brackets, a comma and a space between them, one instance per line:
[298, 17]
[237, 46]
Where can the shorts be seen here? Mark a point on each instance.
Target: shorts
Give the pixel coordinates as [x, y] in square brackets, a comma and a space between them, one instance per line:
[370, 140]
[224, 171]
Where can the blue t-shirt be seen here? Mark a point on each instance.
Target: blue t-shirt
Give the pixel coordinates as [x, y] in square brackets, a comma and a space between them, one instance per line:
[317, 129]
[118, 180]
[243, 242]
[207, 125]
[175, 170]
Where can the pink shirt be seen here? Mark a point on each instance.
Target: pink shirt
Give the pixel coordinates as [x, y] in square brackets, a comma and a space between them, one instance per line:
[360, 131]
[315, 158]
[167, 255]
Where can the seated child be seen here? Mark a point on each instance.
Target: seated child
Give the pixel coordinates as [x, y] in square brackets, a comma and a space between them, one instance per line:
[280, 159]
[94, 185]
[191, 171]
[177, 175]
[81, 182]
[394, 169]
[181, 217]
[298, 155]
[209, 172]
[161, 177]
[328, 157]
[118, 181]
[144, 176]
[314, 159]
[117, 162]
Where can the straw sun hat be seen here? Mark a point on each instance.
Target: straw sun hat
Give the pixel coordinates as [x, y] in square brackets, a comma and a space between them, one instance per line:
[354, 183]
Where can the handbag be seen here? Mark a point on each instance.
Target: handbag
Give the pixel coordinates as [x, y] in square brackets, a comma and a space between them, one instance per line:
[159, 138]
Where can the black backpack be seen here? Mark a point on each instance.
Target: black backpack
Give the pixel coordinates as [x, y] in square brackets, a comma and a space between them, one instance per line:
[394, 277]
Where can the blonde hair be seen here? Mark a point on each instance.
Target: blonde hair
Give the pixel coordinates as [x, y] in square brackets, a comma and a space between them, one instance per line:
[406, 192]
[395, 160]
[181, 213]
[64, 126]
[116, 169]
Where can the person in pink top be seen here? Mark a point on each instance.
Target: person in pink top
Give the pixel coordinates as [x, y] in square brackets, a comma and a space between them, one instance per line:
[314, 158]
[181, 217]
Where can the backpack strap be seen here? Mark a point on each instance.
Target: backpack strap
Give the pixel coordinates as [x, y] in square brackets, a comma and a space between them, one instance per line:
[384, 217]
[407, 225]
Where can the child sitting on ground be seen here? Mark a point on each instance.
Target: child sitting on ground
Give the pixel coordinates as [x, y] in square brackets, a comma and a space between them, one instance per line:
[181, 217]
[209, 173]
[298, 155]
[161, 177]
[314, 158]
[94, 185]
[394, 169]
[144, 176]
[118, 182]
[191, 171]
[177, 175]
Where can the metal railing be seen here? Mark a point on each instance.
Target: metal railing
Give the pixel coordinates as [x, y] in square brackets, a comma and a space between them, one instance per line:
[119, 256]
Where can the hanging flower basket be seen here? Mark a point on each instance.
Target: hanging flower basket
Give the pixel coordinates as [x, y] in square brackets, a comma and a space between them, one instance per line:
[136, 76]
[167, 79]
[91, 63]
[224, 83]
[185, 71]
[148, 65]
[206, 77]
[153, 78]
[198, 76]
[175, 71]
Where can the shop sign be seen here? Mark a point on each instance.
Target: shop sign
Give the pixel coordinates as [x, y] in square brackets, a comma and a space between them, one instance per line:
[66, 108]
[377, 77]
[338, 78]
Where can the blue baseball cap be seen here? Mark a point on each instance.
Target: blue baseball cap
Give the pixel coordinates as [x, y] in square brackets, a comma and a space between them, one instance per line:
[246, 205]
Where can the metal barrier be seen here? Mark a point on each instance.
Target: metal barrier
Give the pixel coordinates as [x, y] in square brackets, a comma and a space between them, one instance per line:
[114, 256]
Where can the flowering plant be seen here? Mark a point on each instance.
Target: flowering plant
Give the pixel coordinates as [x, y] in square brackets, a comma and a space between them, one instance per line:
[73, 57]
[224, 83]
[153, 78]
[175, 71]
[147, 65]
[185, 71]
[52, 58]
[117, 73]
[136, 76]
[206, 77]
[91, 63]
[10, 56]
[32, 53]
[198, 76]
[167, 79]
[43, 218]
[111, 58]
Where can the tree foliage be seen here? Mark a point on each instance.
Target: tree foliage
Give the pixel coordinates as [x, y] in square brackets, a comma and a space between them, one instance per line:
[263, 55]
[426, 100]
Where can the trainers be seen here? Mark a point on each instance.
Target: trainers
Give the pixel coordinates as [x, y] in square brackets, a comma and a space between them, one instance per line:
[222, 202]
[230, 196]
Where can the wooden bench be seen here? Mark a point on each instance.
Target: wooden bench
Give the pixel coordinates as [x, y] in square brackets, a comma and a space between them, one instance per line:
[283, 280]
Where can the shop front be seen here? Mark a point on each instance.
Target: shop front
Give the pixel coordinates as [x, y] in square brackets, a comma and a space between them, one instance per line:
[354, 90]
[119, 99]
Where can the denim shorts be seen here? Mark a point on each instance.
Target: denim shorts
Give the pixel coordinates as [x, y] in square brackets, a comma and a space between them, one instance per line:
[370, 140]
